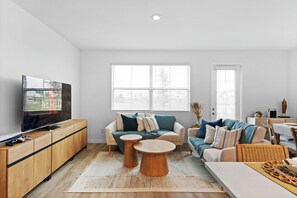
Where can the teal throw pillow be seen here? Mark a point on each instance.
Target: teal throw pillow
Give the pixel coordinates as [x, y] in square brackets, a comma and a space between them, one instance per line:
[165, 122]
[130, 123]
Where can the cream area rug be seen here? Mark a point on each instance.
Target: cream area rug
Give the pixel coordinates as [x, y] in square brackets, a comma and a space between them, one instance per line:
[106, 173]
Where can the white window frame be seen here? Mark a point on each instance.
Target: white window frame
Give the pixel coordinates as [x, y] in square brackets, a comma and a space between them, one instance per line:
[238, 89]
[151, 89]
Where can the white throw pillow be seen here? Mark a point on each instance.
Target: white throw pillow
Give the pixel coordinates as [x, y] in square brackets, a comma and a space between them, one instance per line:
[210, 133]
[140, 126]
[225, 138]
[150, 124]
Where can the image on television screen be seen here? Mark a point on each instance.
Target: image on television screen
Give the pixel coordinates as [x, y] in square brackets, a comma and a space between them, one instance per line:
[42, 95]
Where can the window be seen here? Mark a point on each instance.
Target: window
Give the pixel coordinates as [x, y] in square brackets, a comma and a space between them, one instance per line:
[151, 87]
[226, 92]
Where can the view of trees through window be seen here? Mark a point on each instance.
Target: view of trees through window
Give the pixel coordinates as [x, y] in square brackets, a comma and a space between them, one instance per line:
[151, 87]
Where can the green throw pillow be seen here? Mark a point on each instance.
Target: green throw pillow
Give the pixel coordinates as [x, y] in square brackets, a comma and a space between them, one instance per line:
[165, 122]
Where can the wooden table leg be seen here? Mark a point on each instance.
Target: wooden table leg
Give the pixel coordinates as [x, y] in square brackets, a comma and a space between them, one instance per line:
[154, 165]
[130, 154]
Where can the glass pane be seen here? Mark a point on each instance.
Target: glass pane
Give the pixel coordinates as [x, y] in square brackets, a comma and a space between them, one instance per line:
[131, 99]
[125, 76]
[174, 100]
[226, 94]
[170, 77]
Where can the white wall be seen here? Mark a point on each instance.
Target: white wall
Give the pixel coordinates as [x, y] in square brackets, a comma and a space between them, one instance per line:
[265, 78]
[292, 102]
[29, 47]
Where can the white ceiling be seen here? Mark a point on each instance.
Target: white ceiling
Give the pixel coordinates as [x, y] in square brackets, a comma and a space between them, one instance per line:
[184, 24]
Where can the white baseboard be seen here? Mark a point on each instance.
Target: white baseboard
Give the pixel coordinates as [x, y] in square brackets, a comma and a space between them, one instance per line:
[96, 141]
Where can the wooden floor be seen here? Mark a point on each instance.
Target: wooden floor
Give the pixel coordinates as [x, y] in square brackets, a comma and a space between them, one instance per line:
[67, 174]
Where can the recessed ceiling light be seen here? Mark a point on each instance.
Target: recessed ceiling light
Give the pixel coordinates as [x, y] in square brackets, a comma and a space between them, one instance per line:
[156, 17]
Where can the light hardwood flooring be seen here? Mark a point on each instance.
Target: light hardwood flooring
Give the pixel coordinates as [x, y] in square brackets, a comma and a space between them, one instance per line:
[67, 174]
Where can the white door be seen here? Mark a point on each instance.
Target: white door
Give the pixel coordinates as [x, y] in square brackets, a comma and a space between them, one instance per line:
[226, 92]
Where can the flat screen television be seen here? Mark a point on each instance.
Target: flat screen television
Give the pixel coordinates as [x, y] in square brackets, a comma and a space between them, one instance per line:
[45, 103]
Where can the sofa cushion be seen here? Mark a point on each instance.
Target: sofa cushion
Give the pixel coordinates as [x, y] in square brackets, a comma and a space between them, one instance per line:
[169, 136]
[259, 135]
[229, 123]
[211, 155]
[199, 145]
[225, 138]
[145, 135]
[202, 129]
[119, 121]
[165, 122]
[248, 131]
[129, 123]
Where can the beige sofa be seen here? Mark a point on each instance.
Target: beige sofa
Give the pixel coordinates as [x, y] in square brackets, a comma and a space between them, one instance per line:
[226, 154]
[176, 136]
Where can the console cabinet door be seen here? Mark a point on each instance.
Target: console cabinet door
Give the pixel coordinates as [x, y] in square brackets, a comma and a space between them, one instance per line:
[59, 153]
[42, 165]
[20, 178]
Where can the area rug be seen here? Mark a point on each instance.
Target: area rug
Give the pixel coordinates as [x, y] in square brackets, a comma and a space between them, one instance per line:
[106, 173]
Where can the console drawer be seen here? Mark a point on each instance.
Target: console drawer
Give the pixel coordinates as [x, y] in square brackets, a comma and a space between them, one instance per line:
[19, 151]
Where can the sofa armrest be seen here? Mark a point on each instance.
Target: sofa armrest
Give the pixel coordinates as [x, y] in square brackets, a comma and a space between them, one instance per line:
[180, 130]
[192, 132]
[228, 155]
[112, 127]
[264, 142]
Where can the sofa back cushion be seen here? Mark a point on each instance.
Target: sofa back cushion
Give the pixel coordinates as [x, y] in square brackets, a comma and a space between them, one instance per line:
[259, 135]
[225, 138]
[248, 130]
[165, 122]
[202, 130]
[119, 120]
[129, 123]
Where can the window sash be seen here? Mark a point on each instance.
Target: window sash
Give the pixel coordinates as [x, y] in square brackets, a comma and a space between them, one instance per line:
[151, 89]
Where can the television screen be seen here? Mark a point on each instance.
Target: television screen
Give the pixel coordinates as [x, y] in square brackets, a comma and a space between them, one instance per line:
[45, 102]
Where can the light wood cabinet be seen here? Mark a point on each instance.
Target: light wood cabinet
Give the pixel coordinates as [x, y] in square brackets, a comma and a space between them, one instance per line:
[67, 144]
[23, 166]
[263, 120]
[20, 178]
[42, 165]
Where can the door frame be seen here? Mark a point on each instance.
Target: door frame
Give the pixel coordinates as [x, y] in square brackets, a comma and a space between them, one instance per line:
[238, 89]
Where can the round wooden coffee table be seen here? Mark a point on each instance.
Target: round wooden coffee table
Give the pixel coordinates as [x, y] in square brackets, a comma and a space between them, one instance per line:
[154, 161]
[130, 154]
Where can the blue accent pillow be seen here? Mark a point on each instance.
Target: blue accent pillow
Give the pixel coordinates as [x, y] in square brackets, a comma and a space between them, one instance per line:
[130, 123]
[165, 122]
[202, 130]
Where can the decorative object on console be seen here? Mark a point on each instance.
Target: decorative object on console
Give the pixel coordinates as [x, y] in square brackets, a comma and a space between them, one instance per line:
[284, 107]
[272, 113]
[258, 114]
[197, 108]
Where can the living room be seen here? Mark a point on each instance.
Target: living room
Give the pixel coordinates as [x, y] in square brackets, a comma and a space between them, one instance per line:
[79, 43]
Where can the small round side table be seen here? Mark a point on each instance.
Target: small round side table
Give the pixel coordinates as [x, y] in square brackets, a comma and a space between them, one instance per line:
[130, 154]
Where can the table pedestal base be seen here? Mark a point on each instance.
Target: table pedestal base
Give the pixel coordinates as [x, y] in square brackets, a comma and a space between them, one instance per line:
[130, 155]
[154, 165]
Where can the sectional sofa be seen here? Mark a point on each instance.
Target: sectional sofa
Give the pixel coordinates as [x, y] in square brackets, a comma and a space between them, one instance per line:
[225, 154]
